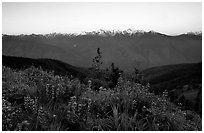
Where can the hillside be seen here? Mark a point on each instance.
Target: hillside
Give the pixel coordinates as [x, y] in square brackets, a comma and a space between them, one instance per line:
[59, 68]
[172, 76]
[183, 82]
[126, 49]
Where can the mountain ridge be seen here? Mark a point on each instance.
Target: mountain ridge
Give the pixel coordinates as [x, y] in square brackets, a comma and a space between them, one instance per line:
[111, 32]
[142, 50]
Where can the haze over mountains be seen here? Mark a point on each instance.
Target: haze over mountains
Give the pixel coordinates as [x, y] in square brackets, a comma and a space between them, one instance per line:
[127, 49]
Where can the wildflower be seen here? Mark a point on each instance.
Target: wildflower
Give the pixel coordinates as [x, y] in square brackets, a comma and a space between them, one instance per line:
[89, 100]
[148, 85]
[134, 101]
[9, 109]
[79, 107]
[73, 98]
[25, 122]
[74, 104]
[89, 83]
[101, 88]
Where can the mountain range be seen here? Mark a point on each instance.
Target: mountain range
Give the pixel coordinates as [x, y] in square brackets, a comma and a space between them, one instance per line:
[127, 49]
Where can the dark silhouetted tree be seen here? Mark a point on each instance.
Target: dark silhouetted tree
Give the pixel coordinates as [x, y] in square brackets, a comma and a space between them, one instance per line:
[97, 73]
[97, 61]
[115, 74]
[138, 76]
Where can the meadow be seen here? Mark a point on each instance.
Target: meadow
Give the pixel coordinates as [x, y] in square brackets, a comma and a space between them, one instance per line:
[37, 100]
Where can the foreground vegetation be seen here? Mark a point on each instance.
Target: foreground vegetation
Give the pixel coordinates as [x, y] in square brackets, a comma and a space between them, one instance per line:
[34, 99]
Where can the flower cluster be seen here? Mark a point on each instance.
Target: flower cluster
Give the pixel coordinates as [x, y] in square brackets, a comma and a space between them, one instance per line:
[10, 115]
[30, 104]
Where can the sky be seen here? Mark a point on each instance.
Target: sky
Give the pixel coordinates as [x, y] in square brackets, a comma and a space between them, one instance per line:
[42, 18]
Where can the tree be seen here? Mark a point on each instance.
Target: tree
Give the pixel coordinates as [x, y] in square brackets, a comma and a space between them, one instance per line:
[115, 74]
[138, 76]
[97, 75]
[97, 61]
